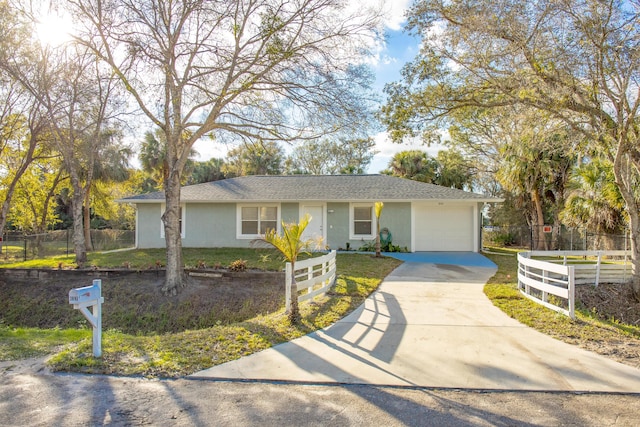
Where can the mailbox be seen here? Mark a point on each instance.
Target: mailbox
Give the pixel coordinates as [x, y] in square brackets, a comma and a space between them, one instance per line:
[90, 297]
[82, 295]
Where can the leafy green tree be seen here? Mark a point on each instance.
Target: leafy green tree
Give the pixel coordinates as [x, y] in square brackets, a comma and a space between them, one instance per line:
[332, 156]
[211, 170]
[23, 120]
[111, 165]
[260, 158]
[577, 60]
[32, 209]
[594, 201]
[448, 168]
[413, 164]
[453, 170]
[153, 158]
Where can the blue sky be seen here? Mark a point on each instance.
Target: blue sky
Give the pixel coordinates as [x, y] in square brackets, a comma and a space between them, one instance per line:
[400, 48]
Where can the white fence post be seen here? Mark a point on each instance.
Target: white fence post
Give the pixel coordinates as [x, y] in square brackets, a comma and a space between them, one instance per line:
[572, 292]
[598, 268]
[316, 271]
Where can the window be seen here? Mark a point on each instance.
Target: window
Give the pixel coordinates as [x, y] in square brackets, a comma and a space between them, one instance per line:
[180, 220]
[362, 221]
[256, 220]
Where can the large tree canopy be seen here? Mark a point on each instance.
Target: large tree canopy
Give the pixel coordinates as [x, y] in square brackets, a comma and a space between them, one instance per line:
[244, 69]
[576, 59]
[332, 156]
[77, 96]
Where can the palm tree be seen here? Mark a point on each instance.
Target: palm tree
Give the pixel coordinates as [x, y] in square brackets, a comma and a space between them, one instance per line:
[594, 200]
[413, 164]
[291, 245]
[378, 212]
[153, 158]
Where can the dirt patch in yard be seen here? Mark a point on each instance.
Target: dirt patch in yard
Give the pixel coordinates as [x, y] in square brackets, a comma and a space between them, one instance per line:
[613, 303]
[135, 303]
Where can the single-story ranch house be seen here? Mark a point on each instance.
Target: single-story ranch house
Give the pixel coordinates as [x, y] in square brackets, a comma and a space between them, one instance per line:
[233, 212]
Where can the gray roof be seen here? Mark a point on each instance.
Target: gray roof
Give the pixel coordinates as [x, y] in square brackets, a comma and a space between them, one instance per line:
[283, 188]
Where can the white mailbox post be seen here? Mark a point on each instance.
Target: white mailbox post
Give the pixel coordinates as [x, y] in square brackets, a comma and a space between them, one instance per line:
[82, 299]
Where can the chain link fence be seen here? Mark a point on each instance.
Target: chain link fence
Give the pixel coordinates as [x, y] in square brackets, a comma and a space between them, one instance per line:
[23, 247]
[554, 238]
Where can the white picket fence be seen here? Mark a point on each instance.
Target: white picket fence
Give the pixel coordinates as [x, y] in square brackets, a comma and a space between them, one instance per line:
[560, 271]
[592, 267]
[539, 279]
[316, 275]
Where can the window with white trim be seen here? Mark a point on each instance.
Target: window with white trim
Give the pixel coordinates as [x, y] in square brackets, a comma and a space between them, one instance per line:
[362, 221]
[255, 220]
[181, 221]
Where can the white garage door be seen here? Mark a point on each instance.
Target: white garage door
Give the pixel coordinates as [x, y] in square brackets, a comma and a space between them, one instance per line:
[443, 228]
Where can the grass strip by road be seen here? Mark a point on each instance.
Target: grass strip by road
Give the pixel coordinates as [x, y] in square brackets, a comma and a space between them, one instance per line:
[586, 331]
[182, 353]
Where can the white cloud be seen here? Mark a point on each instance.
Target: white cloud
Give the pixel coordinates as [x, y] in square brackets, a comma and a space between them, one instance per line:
[394, 11]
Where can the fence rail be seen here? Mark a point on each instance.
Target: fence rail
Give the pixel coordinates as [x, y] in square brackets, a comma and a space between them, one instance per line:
[537, 280]
[592, 267]
[558, 272]
[315, 275]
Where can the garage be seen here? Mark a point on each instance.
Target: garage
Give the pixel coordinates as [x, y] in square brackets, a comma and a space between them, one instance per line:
[444, 227]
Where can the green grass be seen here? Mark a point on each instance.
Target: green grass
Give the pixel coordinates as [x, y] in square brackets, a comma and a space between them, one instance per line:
[502, 290]
[263, 259]
[22, 343]
[182, 353]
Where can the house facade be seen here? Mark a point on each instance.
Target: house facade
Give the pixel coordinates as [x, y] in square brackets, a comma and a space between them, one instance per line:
[233, 212]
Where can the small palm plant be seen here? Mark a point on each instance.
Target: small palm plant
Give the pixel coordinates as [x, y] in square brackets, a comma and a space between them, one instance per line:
[378, 211]
[291, 245]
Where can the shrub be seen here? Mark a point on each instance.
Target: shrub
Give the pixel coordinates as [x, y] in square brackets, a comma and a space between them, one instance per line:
[238, 265]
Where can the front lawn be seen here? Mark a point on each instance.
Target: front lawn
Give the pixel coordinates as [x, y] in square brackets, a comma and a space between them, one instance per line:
[182, 352]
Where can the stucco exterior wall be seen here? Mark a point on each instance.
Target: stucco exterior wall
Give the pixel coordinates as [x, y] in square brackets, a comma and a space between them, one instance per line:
[290, 212]
[395, 216]
[215, 225]
[206, 225]
[148, 225]
[210, 225]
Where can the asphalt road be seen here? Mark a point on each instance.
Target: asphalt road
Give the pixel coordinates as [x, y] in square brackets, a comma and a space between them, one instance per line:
[30, 398]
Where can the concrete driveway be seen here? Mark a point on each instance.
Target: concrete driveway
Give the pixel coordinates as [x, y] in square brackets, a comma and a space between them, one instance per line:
[430, 325]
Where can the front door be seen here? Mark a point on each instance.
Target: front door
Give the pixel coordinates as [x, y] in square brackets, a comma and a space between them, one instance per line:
[315, 229]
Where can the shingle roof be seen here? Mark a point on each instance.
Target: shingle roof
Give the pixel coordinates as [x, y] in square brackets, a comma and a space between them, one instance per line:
[284, 188]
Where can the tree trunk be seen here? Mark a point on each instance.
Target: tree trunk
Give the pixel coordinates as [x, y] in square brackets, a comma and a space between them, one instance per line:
[634, 230]
[11, 188]
[78, 230]
[87, 221]
[539, 237]
[294, 309]
[171, 220]
[625, 183]
[378, 249]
